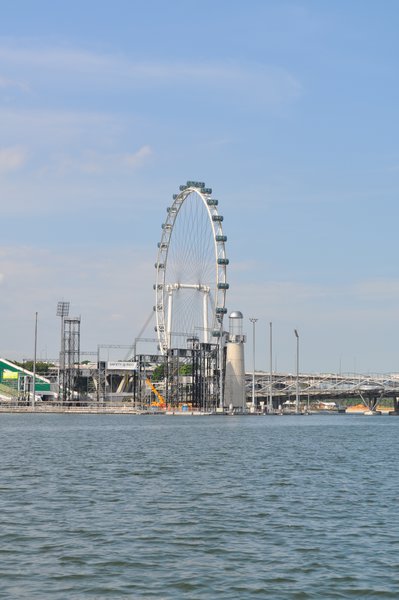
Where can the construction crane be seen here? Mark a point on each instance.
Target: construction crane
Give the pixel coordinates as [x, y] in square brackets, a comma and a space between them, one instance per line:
[161, 400]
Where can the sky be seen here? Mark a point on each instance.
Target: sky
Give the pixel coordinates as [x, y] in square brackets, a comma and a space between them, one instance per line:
[287, 109]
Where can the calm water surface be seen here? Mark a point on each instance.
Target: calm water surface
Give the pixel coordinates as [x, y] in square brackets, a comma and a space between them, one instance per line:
[120, 506]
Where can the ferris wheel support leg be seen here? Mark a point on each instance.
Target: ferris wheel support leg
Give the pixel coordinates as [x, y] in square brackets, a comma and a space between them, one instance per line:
[169, 325]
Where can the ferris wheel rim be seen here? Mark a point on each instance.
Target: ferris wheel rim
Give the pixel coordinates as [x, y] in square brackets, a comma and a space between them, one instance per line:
[219, 255]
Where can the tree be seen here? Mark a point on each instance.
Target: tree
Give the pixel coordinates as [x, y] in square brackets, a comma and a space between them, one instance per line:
[158, 373]
[186, 369]
[41, 366]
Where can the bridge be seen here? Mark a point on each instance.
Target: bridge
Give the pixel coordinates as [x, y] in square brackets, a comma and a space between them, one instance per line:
[278, 388]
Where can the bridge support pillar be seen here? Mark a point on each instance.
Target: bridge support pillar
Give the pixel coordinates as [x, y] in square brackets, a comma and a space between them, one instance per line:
[373, 403]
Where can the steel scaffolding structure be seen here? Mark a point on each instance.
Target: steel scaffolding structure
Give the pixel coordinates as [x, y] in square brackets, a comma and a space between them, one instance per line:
[192, 376]
[70, 358]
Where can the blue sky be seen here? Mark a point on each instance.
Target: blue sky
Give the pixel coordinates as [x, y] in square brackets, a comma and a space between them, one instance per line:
[288, 110]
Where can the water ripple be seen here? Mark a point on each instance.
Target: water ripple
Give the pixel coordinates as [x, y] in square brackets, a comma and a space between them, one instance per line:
[114, 506]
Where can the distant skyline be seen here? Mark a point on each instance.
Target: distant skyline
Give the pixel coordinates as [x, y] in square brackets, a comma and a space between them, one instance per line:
[287, 109]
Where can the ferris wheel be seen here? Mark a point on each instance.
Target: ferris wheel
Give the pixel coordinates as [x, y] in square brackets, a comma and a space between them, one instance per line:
[191, 285]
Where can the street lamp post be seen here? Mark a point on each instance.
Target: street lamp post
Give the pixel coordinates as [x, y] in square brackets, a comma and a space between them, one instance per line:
[34, 365]
[297, 372]
[271, 368]
[253, 321]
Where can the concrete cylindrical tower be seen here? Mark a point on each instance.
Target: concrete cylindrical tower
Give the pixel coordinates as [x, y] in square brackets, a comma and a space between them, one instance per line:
[234, 391]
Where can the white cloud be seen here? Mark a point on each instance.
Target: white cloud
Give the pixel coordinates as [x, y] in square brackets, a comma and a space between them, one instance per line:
[136, 159]
[11, 83]
[331, 304]
[257, 82]
[112, 306]
[42, 125]
[12, 158]
[353, 321]
[95, 163]
[53, 58]
[56, 137]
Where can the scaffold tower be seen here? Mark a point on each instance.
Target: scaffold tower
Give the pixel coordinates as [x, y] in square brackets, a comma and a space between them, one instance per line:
[70, 360]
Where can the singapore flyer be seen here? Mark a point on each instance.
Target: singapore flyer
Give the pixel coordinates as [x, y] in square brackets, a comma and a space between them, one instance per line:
[191, 284]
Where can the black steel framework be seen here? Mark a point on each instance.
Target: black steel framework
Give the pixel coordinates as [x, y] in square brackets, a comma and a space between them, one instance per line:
[70, 359]
[192, 377]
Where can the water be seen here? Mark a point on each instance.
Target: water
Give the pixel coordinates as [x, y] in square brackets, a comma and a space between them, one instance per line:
[119, 506]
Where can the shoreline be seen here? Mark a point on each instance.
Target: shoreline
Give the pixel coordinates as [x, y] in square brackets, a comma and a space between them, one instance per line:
[127, 410]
